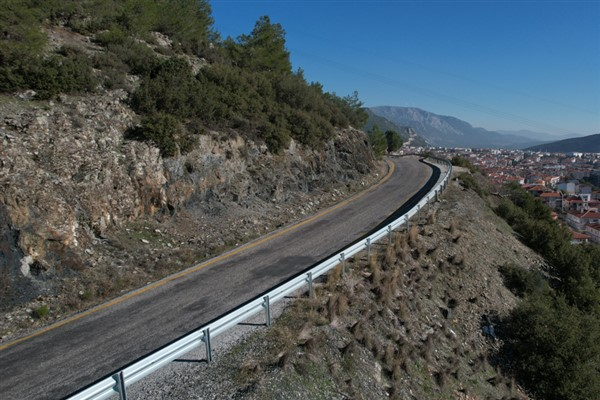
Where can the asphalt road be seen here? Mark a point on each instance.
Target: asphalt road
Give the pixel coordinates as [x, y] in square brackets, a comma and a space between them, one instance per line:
[68, 356]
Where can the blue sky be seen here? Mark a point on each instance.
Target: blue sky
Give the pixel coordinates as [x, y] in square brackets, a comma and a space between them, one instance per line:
[505, 64]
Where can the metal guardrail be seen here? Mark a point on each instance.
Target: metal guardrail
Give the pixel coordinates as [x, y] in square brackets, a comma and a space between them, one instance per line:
[117, 383]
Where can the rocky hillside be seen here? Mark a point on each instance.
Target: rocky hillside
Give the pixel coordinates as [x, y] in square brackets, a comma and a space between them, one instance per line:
[414, 322]
[85, 213]
[134, 142]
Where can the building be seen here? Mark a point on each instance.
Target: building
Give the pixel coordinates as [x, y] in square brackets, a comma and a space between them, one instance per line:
[593, 231]
[552, 199]
[578, 221]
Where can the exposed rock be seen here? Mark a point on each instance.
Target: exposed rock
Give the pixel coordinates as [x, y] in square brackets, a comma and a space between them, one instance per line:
[78, 201]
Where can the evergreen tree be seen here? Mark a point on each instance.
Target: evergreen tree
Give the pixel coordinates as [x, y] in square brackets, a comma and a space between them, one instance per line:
[394, 141]
[264, 49]
[378, 141]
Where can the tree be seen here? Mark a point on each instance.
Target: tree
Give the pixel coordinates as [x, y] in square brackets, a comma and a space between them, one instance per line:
[264, 49]
[555, 348]
[378, 141]
[394, 141]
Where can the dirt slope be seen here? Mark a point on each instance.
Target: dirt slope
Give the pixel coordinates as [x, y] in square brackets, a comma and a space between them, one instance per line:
[407, 324]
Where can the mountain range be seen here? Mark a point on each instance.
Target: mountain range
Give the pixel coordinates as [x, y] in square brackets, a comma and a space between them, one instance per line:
[407, 133]
[584, 144]
[447, 131]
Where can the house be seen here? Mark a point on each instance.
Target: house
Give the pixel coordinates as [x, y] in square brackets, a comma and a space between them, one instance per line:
[567, 187]
[593, 231]
[578, 221]
[580, 204]
[552, 199]
[579, 238]
[537, 190]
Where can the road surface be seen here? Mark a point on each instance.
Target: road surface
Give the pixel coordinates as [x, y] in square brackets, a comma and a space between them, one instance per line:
[68, 356]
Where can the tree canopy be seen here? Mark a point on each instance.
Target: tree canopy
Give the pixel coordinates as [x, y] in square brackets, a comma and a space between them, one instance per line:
[247, 84]
[552, 338]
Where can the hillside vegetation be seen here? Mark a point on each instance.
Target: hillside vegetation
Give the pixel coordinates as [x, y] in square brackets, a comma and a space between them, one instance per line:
[408, 323]
[245, 83]
[135, 142]
[455, 307]
[553, 336]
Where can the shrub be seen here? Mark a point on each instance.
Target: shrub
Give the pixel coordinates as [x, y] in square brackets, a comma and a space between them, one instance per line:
[41, 311]
[378, 141]
[68, 71]
[555, 348]
[165, 132]
[464, 163]
[469, 182]
[521, 281]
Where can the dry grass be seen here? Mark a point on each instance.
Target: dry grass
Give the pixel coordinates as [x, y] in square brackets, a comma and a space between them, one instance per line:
[389, 356]
[453, 228]
[249, 371]
[401, 246]
[375, 269]
[413, 234]
[357, 330]
[333, 277]
[456, 237]
[390, 257]
[337, 306]
[431, 217]
[348, 349]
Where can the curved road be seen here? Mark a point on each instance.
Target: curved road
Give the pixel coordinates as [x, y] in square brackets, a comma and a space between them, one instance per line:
[63, 358]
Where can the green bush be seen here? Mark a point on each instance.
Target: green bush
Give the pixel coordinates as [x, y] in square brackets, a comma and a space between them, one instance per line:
[468, 182]
[394, 141]
[68, 71]
[378, 141]
[164, 131]
[523, 282]
[554, 348]
[464, 163]
[41, 312]
[552, 339]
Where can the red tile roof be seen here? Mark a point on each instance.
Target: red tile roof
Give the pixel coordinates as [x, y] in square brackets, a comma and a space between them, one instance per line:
[579, 236]
[587, 214]
[538, 188]
[550, 194]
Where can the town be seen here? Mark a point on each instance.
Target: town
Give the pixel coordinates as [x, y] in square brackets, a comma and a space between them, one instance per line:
[568, 183]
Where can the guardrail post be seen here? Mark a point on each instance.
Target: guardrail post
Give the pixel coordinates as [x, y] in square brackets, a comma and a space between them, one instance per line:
[120, 385]
[389, 234]
[206, 340]
[309, 280]
[343, 261]
[407, 222]
[437, 195]
[267, 306]
[368, 249]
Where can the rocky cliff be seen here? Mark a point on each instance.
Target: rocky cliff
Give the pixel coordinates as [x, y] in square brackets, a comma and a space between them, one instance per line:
[84, 212]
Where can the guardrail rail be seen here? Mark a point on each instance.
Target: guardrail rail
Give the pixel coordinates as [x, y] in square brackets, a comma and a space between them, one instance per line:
[116, 383]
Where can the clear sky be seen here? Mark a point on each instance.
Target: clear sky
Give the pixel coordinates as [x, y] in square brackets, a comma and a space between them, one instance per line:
[504, 64]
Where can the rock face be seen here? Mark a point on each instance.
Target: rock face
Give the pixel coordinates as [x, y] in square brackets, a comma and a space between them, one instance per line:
[69, 182]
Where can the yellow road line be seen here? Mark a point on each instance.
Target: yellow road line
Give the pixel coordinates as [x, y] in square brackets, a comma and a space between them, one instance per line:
[198, 267]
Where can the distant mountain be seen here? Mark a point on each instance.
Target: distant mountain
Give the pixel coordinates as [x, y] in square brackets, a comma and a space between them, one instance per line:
[406, 133]
[584, 144]
[546, 137]
[446, 131]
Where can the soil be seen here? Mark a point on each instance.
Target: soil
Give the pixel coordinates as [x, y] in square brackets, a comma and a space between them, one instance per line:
[416, 321]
